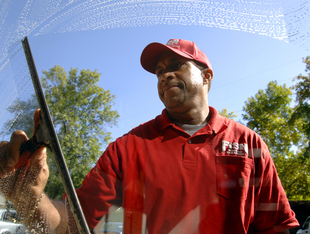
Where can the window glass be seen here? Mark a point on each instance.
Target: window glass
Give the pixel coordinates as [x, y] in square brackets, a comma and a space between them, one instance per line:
[249, 44]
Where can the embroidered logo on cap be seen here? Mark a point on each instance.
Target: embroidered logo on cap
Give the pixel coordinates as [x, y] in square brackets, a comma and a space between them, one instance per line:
[173, 43]
[234, 148]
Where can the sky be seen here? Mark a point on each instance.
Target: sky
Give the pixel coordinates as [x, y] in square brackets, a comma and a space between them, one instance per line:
[110, 35]
[242, 63]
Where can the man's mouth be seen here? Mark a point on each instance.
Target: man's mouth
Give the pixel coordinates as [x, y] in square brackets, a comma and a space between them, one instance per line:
[169, 86]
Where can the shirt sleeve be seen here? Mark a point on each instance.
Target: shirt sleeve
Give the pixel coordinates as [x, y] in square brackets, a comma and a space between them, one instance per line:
[101, 187]
[273, 212]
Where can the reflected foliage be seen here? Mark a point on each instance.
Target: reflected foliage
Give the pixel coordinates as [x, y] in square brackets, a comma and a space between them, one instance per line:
[302, 108]
[272, 116]
[80, 111]
[23, 111]
[267, 113]
[230, 115]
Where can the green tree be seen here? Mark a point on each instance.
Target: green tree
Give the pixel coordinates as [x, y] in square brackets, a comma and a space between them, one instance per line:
[301, 117]
[268, 113]
[230, 115]
[80, 111]
[302, 108]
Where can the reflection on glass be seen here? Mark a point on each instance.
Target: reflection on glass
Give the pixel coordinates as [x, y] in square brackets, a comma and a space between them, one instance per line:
[274, 19]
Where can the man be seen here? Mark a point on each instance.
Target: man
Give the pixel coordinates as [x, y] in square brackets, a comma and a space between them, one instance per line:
[189, 170]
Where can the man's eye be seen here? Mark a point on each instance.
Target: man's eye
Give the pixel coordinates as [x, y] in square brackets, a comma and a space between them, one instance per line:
[176, 66]
[159, 73]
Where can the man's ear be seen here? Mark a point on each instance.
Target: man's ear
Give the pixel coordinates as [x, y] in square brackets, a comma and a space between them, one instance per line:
[207, 75]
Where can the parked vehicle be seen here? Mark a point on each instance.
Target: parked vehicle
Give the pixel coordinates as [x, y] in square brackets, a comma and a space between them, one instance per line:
[305, 227]
[112, 228]
[8, 226]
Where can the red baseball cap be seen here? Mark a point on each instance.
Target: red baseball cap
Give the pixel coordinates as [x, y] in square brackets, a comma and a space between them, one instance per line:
[187, 49]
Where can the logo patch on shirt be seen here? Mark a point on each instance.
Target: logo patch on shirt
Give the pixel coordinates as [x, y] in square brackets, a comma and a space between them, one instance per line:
[234, 148]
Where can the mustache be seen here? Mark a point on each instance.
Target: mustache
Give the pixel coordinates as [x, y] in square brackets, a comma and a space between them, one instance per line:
[170, 84]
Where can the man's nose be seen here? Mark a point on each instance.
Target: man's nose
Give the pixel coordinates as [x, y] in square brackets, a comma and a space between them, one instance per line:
[166, 75]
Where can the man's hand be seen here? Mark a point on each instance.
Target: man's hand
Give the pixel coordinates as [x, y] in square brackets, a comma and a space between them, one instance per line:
[28, 182]
[21, 186]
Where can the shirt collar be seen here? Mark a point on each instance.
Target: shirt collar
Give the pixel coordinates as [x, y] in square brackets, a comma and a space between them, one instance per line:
[216, 123]
[163, 121]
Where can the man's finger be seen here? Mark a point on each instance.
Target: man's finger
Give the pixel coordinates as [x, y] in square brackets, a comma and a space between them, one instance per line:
[39, 157]
[36, 121]
[17, 139]
[3, 158]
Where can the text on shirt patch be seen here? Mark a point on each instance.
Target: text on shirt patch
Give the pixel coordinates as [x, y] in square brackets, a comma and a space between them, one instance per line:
[234, 148]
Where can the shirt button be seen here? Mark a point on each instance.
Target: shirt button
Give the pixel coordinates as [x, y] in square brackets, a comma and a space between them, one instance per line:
[189, 141]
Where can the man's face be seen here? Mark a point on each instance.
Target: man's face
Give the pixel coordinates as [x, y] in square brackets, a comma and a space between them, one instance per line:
[180, 82]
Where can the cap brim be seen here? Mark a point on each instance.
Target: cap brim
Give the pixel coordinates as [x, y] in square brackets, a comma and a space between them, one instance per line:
[153, 51]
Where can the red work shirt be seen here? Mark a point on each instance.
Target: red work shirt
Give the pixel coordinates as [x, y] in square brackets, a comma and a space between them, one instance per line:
[219, 180]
